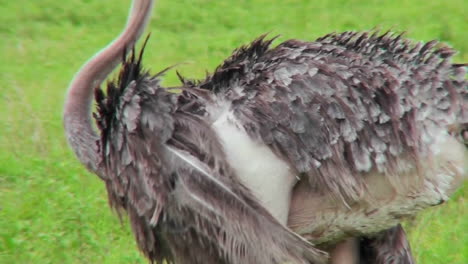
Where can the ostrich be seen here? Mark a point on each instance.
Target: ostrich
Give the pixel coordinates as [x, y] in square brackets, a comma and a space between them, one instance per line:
[307, 152]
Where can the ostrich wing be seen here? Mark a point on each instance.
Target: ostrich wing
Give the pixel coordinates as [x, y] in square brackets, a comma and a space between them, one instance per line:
[165, 167]
[363, 119]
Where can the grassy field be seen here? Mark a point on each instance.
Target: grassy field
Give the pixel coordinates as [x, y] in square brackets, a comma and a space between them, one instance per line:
[53, 211]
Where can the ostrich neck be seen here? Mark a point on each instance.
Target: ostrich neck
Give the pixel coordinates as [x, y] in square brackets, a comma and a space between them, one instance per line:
[77, 114]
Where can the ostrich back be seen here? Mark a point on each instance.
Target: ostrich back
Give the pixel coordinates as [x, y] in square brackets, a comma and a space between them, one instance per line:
[369, 124]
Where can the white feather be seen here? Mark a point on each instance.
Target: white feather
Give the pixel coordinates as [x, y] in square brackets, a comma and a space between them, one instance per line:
[268, 177]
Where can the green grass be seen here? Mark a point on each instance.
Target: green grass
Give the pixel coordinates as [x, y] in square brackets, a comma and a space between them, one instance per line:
[53, 211]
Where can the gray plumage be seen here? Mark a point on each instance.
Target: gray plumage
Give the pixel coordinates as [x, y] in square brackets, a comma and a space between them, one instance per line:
[332, 108]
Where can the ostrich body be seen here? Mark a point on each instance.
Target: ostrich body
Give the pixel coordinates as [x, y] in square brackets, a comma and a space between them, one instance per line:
[328, 141]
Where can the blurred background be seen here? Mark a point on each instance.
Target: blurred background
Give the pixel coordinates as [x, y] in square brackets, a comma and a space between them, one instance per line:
[53, 211]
